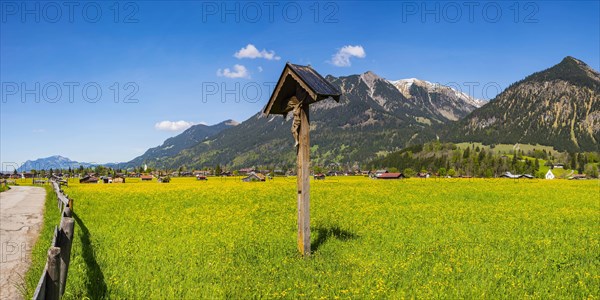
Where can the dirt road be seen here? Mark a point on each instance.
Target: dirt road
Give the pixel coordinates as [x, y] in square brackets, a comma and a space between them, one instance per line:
[21, 218]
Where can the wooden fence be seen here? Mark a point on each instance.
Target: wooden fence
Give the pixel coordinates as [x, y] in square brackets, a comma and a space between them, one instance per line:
[54, 277]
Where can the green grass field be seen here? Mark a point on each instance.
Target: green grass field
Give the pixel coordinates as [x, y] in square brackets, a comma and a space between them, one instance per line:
[507, 148]
[450, 238]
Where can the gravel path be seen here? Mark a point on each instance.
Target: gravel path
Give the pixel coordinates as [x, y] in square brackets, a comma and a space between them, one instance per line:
[21, 218]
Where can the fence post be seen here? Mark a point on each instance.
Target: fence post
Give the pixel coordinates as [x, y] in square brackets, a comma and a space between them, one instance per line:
[53, 273]
[67, 212]
[67, 226]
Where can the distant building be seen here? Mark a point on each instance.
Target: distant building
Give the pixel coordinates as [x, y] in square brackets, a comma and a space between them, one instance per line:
[88, 179]
[146, 177]
[516, 176]
[423, 175]
[509, 175]
[319, 176]
[245, 171]
[380, 172]
[254, 177]
[578, 177]
[201, 173]
[391, 176]
[549, 175]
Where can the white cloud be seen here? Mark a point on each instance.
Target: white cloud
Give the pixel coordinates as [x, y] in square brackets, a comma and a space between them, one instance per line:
[252, 52]
[260, 69]
[173, 125]
[342, 57]
[238, 71]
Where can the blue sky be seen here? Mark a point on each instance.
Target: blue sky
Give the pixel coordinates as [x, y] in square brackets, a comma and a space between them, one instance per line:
[166, 59]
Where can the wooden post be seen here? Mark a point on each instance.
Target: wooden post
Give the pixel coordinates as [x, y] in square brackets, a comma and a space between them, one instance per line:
[67, 212]
[53, 273]
[67, 225]
[303, 179]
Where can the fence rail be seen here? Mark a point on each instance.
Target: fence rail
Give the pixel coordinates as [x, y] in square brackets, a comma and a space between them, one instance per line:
[54, 277]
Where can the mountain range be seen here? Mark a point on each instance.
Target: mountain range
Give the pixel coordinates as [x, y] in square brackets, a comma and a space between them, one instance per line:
[52, 162]
[190, 137]
[558, 107]
[373, 115]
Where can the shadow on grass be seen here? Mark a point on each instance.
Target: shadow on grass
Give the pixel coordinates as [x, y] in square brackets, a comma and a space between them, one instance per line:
[96, 287]
[326, 233]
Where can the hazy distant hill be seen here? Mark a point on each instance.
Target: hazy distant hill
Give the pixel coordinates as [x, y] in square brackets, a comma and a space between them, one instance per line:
[52, 162]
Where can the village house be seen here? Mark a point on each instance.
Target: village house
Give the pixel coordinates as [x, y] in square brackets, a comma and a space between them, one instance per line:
[549, 175]
[146, 177]
[380, 172]
[245, 171]
[516, 176]
[423, 175]
[319, 176]
[88, 179]
[388, 175]
[254, 177]
[201, 173]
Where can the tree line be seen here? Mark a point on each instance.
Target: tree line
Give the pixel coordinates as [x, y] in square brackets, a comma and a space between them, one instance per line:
[447, 159]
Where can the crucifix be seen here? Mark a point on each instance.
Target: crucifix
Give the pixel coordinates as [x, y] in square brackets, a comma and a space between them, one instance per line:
[297, 88]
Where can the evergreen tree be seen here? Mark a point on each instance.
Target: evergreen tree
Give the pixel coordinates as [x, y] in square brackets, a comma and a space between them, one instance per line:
[467, 152]
[581, 163]
[572, 161]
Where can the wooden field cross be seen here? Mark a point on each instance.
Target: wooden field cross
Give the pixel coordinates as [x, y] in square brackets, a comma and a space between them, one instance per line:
[297, 88]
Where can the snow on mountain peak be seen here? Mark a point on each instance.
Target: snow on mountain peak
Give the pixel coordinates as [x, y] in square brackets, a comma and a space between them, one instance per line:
[404, 86]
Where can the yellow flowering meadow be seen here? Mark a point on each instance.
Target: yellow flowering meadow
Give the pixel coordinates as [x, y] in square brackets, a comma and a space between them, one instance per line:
[415, 238]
